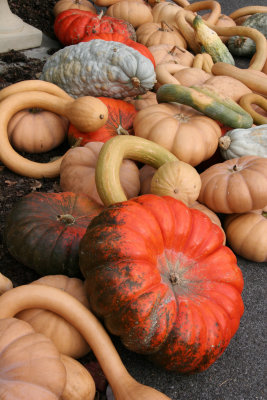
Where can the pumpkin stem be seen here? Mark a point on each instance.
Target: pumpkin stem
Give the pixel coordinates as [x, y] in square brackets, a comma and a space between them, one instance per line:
[135, 81]
[68, 219]
[240, 41]
[224, 142]
[77, 142]
[172, 51]
[235, 168]
[165, 27]
[173, 278]
[100, 15]
[122, 131]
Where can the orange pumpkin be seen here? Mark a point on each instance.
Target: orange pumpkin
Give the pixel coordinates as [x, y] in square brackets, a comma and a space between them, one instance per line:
[165, 11]
[185, 132]
[136, 13]
[63, 5]
[153, 33]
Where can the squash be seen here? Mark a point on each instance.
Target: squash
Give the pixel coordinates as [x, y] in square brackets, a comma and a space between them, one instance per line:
[152, 34]
[227, 86]
[63, 5]
[65, 337]
[30, 365]
[77, 172]
[214, 6]
[247, 10]
[143, 100]
[247, 100]
[244, 46]
[123, 385]
[204, 62]
[100, 68]
[136, 13]
[191, 76]
[35, 130]
[173, 251]
[244, 142]
[207, 101]
[79, 382]
[235, 186]
[73, 26]
[246, 234]
[86, 113]
[189, 135]
[120, 122]
[43, 231]
[5, 284]
[166, 53]
[165, 11]
[223, 20]
[165, 74]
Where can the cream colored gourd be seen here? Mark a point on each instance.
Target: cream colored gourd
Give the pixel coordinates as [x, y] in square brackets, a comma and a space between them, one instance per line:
[244, 142]
[63, 5]
[5, 284]
[66, 338]
[80, 384]
[223, 20]
[134, 12]
[214, 6]
[183, 131]
[77, 172]
[123, 385]
[152, 34]
[86, 113]
[37, 131]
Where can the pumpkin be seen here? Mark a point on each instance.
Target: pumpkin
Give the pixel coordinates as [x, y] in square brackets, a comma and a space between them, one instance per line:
[142, 100]
[43, 231]
[53, 299]
[99, 68]
[63, 5]
[189, 135]
[72, 26]
[77, 172]
[5, 284]
[35, 130]
[246, 234]
[119, 122]
[136, 13]
[244, 142]
[213, 217]
[235, 186]
[79, 382]
[227, 86]
[167, 286]
[177, 179]
[30, 365]
[191, 76]
[66, 338]
[152, 34]
[165, 11]
[165, 53]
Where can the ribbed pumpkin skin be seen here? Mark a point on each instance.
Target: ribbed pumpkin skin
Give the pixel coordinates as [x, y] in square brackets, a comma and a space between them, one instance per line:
[72, 26]
[120, 121]
[36, 237]
[159, 275]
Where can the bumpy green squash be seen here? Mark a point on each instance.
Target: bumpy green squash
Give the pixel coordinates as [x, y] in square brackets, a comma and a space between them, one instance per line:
[207, 101]
[244, 46]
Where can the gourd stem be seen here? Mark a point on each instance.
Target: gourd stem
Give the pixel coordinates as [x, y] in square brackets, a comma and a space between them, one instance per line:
[24, 297]
[68, 219]
[111, 155]
[224, 142]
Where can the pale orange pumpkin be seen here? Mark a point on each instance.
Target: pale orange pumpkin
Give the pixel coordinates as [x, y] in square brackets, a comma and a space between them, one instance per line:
[247, 234]
[30, 365]
[185, 132]
[227, 86]
[165, 11]
[153, 33]
[63, 5]
[192, 76]
[35, 130]
[238, 185]
[136, 13]
[66, 338]
[165, 53]
[77, 172]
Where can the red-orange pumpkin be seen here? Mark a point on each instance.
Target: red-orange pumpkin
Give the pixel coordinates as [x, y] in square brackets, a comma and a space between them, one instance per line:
[159, 275]
[120, 122]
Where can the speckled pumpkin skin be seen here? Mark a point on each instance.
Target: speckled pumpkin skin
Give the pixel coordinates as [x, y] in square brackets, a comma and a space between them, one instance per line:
[37, 237]
[159, 275]
[100, 68]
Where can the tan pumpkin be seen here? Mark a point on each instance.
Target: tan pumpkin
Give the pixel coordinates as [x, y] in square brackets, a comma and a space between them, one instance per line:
[165, 11]
[63, 5]
[66, 338]
[212, 215]
[192, 76]
[30, 365]
[235, 186]
[153, 33]
[5, 284]
[176, 179]
[35, 130]
[185, 132]
[165, 53]
[77, 172]
[80, 384]
[136, 13]
[227, 86]
[247, 234]
[143, 100]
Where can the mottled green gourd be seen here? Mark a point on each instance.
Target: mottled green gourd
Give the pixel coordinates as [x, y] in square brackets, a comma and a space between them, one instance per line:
[211, 42]
[207, 101]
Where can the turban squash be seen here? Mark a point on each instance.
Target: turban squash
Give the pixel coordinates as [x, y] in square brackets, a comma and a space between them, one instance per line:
[159, 275]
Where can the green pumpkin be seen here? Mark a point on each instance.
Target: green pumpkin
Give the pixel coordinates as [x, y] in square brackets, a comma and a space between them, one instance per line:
[246, 47]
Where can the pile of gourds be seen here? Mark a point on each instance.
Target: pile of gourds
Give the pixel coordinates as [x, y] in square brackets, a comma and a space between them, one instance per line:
[168, 138]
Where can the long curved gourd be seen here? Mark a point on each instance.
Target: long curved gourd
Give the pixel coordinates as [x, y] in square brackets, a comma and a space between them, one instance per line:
[110, 158]
[210, 103]
[240, 12]
[164, 73]
[86, 113]
[124, 386]
[214, 6]
[253, 98]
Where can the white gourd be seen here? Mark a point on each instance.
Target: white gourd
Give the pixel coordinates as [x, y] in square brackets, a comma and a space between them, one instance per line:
[100, 68]
[244, 142]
